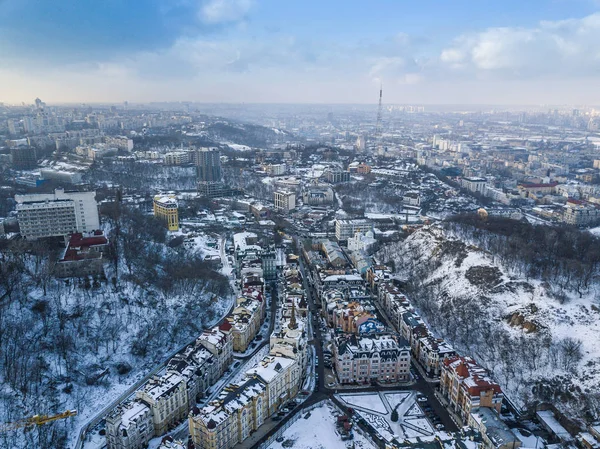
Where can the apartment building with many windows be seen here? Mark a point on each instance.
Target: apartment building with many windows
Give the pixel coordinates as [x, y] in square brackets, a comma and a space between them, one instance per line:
[56, 214]
[379, 358]
[467, 386]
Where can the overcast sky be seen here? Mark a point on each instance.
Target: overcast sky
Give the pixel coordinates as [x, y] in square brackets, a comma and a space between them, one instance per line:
[299, 51]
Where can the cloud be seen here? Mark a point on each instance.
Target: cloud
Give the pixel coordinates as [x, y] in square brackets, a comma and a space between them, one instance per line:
[67, 31]
[566, 48]
[219, 11]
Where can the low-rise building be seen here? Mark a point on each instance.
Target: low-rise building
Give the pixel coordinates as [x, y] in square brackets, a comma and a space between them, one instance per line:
[475, 185]
[467, 386]
[412, 199]
[241, 409]
[336, 176]
[496, 434]
[218, 340]
[580, 213]
[228, 420]
[362, 241]
[364, 359]
[168, 400]
[281, 375]
[245, 321]
[129, 426]
[275, 169]
[178, 158]
[82, 255]
[122, 143]
[432, 352]
[317, 194]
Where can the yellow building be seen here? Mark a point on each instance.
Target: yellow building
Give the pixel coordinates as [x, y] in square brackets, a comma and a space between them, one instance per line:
[165, 209]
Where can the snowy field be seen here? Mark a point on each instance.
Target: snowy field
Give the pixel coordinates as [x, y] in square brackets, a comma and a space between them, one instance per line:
[238, 147]
[376, 409]
[319, 432]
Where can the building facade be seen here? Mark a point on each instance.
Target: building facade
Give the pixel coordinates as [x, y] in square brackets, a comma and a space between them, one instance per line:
[208, 165]
[345, 229]
[371, 358]
[129, 426]
[285, 201]
[467, 386]
[166, 209]
[167, 398]
[58, 214]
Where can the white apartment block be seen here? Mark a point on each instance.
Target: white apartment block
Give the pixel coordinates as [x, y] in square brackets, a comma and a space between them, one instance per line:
[120, 142]
[345, 229]
[476, 185]
[285, 201]
[276, 169]
[178, 158]
[56, 214]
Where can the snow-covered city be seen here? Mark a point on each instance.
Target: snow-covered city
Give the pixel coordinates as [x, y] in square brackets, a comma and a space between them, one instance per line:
[248, 224]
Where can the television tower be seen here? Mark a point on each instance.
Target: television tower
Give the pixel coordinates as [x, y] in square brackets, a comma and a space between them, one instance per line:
[378, 125]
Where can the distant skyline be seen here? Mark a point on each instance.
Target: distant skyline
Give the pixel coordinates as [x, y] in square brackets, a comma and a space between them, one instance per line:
[272, 51]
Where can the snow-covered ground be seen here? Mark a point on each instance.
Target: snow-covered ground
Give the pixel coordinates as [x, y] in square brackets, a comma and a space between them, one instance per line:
[376, 409]
[366, 401]
[319, 432]
[238, 147]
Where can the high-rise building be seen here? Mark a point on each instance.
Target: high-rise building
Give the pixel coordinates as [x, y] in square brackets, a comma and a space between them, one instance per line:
[165, 209]
[39, 104]
[345, 229]
[361, 143]
[285, 201]
[208, 163]
[12, 127]
[23, 157]
[56, 214]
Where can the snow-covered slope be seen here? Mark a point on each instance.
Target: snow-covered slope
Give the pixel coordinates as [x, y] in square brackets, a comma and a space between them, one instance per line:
[539, 347]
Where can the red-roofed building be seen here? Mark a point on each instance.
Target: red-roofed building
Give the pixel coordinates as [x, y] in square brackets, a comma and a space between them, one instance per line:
[530, 190]
[467, 386]
[82, 255]
[225, 326]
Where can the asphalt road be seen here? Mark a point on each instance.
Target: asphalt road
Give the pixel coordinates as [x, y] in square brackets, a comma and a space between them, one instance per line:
[317, 337]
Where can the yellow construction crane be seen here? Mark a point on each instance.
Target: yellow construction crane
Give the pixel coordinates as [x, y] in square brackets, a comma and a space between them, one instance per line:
[36, 420]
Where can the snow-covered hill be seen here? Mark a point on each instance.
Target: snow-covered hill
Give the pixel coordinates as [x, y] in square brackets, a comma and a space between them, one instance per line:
[79, 343]
[541, 345]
